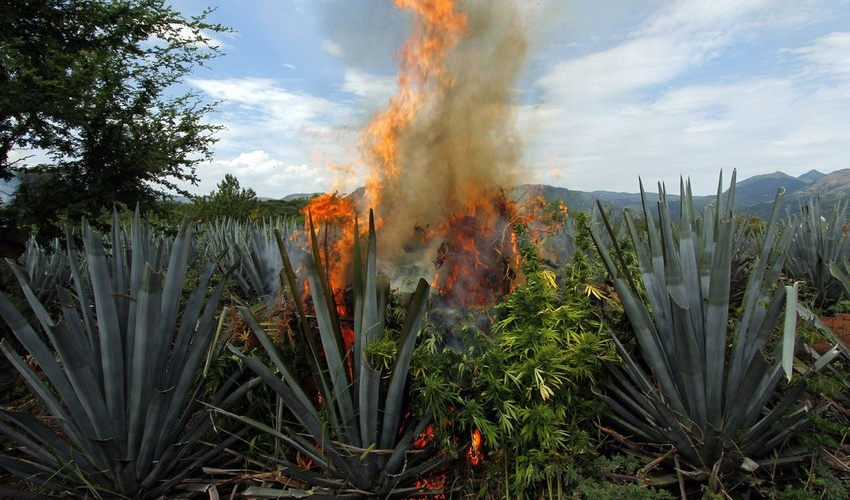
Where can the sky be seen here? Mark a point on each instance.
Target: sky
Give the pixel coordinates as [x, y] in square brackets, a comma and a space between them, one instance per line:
[610, 91]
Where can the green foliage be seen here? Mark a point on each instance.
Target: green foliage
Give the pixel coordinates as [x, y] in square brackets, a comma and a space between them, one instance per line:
[591, 488]
[229, 200]
[528, 387]
[94, 85]
[817, 483]
[701, 385]
[118, 375]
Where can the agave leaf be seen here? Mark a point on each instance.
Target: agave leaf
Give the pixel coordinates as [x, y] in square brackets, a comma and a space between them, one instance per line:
[47, 362]
[789, 329]
[321, 276]
[86, 309]
[307, 416]
[368, 449]
[373, 293]
[111, 343]
[334, 356]
[395, 399]
[843, 276]
[818, 242]
[143, 371]
[649, 340]
[305, 447]
[315, 357]
[716, 321]
[123, 410]
[705, 391]
[179, 379]
[37, 474]
[46, 268]
[758, 434]
[295, 397]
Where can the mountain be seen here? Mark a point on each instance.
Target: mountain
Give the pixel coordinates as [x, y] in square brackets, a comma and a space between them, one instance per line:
[811, 175]
[753, 196]
[299, 196]
[828, 189]
[762, 188]
[833, 185]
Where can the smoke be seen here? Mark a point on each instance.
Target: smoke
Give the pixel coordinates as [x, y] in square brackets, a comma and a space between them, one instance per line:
[453, 144]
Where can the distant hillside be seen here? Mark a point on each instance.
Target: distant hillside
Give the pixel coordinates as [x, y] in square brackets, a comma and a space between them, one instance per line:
[829, 189]
[763, 188]
[833, 185]
[811, 175]
[299, 196]
[753, 196]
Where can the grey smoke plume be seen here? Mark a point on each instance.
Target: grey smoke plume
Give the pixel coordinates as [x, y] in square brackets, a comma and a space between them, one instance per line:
[460, 149]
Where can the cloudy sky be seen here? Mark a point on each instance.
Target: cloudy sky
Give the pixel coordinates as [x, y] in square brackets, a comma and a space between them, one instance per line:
[611, 90]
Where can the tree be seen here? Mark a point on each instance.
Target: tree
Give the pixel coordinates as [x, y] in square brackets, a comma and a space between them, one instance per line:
[229, 200]
[94, 87]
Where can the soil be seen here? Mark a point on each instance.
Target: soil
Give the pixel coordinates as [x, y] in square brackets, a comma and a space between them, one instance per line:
[840, 326]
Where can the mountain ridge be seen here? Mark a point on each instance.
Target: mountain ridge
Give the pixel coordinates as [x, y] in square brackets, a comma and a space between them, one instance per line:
[753, 196]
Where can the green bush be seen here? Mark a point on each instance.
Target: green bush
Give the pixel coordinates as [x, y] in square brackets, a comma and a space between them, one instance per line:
[527, 386]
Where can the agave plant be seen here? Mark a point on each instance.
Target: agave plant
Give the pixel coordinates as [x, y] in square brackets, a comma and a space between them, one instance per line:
[45, 267]
[817, 243]
[117, 376]
[251, 251]
[359, 432]
[703, 381]
[842, 274]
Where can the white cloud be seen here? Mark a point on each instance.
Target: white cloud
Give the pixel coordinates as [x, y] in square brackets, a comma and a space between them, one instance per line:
[333, 48]
[277, 141]
[625, 68]
[373, 89]
[621, 89]
[642, 107]
[267, 176]
[828, 55]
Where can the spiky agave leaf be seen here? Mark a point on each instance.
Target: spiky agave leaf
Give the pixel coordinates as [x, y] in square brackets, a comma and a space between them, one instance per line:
[704, 389]
[818, 242]
[360, 433]
[120, 370]
[45, 267]
[250, 250]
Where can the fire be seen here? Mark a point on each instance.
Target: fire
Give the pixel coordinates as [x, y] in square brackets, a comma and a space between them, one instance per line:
[422, 59]
[441, 153]
[331, 212]
[474, 455]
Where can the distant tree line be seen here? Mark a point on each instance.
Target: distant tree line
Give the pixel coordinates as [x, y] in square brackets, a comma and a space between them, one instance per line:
[229, 199]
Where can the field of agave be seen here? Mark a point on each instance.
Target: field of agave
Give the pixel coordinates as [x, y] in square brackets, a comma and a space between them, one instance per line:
[675, 353]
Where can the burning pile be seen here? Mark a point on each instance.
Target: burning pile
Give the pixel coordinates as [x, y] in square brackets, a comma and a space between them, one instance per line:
[440, 155]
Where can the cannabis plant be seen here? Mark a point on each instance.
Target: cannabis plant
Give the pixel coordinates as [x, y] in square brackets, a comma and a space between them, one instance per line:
[526, 385]
[704, 380]
[355, 429]
[819, 241]
[117, 376]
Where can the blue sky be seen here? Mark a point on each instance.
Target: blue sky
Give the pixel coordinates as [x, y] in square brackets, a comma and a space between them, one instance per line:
[610, 90]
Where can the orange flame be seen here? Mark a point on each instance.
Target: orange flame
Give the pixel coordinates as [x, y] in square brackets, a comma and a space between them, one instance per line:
[422, 59]
[475, 456]
[331, 211]
[439, 155]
